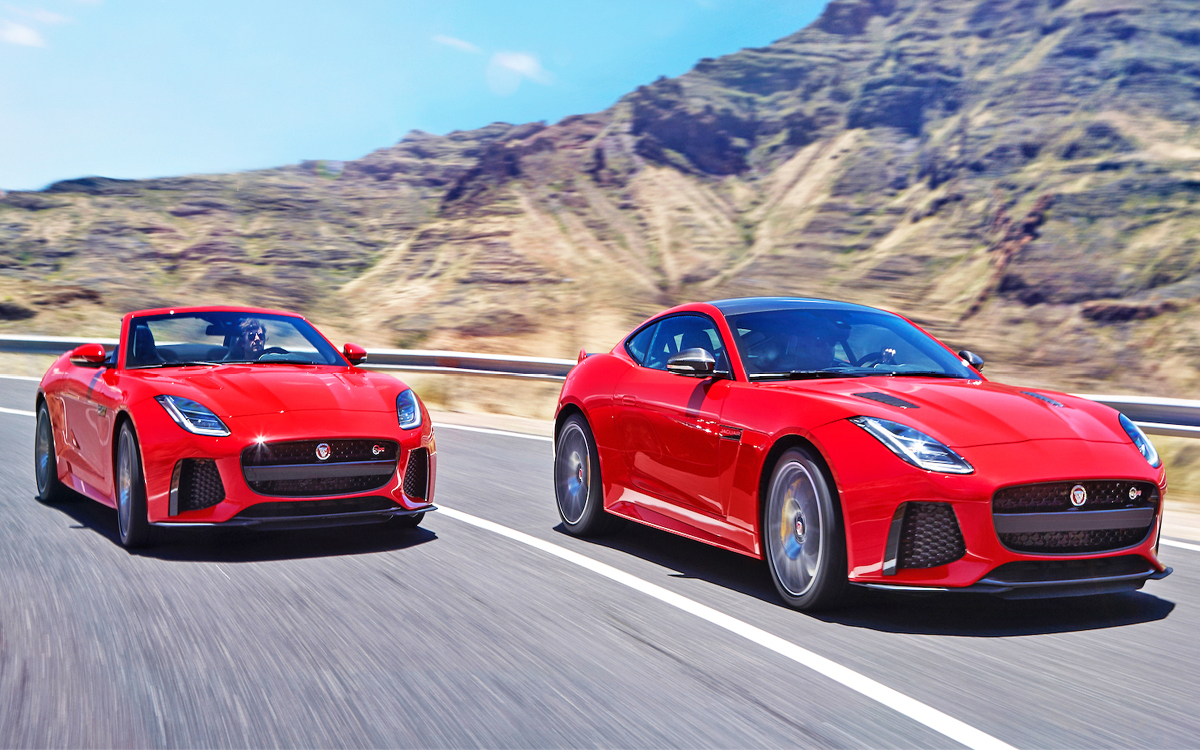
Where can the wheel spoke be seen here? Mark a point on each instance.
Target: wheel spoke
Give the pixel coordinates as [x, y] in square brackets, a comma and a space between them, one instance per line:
[794, 533]
[572, 473]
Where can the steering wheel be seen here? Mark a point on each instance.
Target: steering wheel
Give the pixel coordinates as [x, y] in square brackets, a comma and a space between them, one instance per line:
[874, 357]
[273, 350]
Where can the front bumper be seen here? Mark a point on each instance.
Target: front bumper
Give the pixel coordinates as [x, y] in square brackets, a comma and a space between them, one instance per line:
[172, 444]
[873, 483]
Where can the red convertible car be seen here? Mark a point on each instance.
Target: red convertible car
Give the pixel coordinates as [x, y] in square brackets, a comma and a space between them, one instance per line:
[846, 446]
[231, 416]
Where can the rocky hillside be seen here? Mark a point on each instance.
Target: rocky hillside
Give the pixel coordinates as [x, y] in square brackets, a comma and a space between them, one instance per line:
[1020, 176]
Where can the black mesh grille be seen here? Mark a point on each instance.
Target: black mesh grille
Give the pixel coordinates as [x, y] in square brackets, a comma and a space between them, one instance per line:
[199, 484]
[1049, 571]
[1056, 496]
[1057, 542]
[304, 453]
[416, 475]
[929, 536]
[331, 506]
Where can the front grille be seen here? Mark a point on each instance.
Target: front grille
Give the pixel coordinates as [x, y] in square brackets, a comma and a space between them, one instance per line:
[416, 475]
[327, 507]
[293, 469]
[1041, 519]
[1056, 496]
[929, 536]
[195, 484]
[1059, 542]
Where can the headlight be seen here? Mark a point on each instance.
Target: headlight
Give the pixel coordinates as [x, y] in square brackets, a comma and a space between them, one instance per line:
[408, 409]
[193, 417]
[1140, 441]
[914, 446]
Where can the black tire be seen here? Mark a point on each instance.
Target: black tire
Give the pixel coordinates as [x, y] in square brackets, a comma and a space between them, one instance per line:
[45, 461]
[804, 539]
[133, 525]
[409, 522]
[578, 490]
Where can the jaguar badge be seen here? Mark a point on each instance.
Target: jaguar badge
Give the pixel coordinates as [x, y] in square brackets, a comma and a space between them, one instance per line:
[1078, 495]
[323, 452]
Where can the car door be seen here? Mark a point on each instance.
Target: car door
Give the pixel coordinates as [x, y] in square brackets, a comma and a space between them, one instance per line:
[669, 424]
[91, 400]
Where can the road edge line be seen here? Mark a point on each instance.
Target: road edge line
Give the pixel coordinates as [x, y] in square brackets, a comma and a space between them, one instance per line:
[487, 431]
[930, 717]
[21, 412]
[1182, 545]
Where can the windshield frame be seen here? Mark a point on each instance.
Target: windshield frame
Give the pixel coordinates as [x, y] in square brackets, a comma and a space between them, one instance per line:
[222, 317]
[950, 365]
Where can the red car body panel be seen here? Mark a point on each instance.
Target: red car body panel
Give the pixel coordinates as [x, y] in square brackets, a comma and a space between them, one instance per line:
[258, 403]
[689, 455]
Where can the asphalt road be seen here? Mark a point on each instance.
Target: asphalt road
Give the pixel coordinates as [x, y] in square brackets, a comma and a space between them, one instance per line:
[455, 636]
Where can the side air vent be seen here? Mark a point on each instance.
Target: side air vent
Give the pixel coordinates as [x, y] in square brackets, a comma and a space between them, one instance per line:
[923, 535]
[195, 484]
[416, 475]
[1040, 397]
[887, 398]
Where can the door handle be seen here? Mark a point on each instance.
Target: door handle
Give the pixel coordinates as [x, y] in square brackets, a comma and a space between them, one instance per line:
[628, 400]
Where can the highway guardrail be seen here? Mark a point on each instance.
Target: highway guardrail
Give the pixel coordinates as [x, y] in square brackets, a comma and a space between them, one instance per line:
[1157, 416]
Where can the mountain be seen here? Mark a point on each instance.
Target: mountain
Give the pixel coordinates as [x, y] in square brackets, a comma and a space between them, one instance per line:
[1021, 177]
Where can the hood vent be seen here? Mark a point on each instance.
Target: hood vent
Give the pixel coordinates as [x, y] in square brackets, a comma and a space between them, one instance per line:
[887, 398]
[1047, 399]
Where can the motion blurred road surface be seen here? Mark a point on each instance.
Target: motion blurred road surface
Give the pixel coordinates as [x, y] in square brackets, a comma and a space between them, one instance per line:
[454, 636]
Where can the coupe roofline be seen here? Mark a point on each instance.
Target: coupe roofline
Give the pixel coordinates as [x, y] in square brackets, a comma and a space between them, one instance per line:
[739, 305]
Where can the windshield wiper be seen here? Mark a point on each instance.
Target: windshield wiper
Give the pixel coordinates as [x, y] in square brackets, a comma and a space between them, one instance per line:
[924, 374]
[172, 364]
[808, 374]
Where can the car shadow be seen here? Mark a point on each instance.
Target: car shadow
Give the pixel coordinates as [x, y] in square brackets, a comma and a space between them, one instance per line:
[238, 545]
[972, 615]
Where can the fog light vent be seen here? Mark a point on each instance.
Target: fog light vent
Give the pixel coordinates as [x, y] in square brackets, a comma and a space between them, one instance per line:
[195, 484]
[924, 535]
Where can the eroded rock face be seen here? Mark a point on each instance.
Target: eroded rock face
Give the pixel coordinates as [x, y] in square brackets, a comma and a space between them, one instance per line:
[1020, 176]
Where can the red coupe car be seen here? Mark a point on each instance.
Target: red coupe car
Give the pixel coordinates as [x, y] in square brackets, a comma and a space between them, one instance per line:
[846, 446]
[231, 416]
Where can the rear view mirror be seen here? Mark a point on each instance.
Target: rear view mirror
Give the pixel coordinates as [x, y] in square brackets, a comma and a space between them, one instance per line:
[354, 353]
[692, 362]
[88, 355]
[972, 359]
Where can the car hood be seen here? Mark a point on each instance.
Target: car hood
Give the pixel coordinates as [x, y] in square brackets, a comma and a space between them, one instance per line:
[966, 413]
[247, 390]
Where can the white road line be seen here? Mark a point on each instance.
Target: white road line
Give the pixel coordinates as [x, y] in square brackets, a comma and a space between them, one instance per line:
[22, 412]
[506, 433]
[913, 709]
[1181, 545]
[20, 377]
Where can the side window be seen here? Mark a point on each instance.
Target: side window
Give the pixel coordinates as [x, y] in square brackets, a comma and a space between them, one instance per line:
[682, 332]
[638, 345]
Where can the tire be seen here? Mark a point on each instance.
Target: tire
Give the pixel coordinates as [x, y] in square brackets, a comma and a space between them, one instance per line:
[45, 461]
[133, 526]
[409, 522]
[578, 490]
[804, 540]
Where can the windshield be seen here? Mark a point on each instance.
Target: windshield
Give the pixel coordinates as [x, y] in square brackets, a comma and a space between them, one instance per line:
[225, 337]
[819, 343]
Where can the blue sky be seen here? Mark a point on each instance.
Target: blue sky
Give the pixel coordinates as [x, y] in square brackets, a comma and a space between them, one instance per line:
[145, 88]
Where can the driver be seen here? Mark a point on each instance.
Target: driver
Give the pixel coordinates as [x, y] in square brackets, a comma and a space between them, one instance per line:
[250, 342]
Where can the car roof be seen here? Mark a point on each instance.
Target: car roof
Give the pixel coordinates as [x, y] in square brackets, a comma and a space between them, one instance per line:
[741, 305]
[211, 308]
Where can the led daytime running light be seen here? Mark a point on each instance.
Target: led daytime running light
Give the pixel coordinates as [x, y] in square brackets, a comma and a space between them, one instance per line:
[408, 409]
[193, 417]
[914, 446]
[1140, 441]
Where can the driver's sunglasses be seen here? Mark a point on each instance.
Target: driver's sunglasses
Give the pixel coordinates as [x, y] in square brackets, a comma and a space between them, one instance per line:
[259, 334]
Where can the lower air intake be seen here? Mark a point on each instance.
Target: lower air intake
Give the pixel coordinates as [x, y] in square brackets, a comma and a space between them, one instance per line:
[195, 484]
[416, 474]
[929, 536]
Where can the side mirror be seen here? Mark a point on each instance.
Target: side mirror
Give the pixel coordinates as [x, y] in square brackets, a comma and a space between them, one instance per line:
[972, 359]
[355, 353]
[692, 362]
[88, 355]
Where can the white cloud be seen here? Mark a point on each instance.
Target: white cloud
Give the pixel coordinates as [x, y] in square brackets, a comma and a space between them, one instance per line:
[38, 15]
[450, 41]
[506, 69]
[15, 33]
